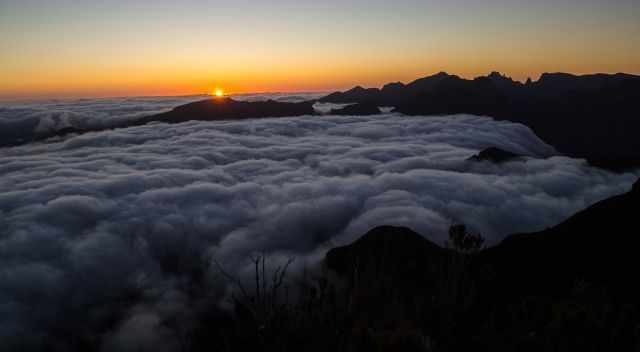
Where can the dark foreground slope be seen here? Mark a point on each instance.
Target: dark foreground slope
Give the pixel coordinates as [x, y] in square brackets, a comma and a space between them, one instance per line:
[592, 116]
[599, 246]
[571, 287]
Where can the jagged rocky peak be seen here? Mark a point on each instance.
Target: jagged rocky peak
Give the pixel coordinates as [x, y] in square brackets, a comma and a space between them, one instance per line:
[501, 79]
[497, 75]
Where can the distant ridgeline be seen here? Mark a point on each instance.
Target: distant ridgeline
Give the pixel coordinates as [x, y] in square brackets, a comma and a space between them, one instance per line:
[213, 109]
[593, 116]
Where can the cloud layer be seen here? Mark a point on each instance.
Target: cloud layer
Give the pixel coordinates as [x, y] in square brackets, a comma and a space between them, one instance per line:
[24, 119]
[113, 226]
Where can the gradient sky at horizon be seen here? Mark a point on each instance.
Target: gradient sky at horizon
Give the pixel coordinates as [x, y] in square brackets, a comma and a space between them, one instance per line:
[68, 48]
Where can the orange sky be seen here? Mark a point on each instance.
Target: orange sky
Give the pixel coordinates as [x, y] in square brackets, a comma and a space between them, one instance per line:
[128, 48]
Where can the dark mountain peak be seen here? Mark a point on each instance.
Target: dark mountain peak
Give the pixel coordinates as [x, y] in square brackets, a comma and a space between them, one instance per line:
[503, 82]
[437, 76]
[590, 78]
[429, 83]
[604, 86]
[588, 116]
[360, 91]
[356, 89]
[556, 76]
[393, 86]
[390, 233]
[356, 94]
[626, 76]
[497, 75]
[385, 248]
[229, 109]
[529, 81]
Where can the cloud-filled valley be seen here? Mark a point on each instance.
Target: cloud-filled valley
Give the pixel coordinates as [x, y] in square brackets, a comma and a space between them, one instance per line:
[43, 118]
[92, 218]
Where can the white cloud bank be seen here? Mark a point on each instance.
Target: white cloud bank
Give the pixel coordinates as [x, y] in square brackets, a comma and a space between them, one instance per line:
[88, 220]
[24, 119]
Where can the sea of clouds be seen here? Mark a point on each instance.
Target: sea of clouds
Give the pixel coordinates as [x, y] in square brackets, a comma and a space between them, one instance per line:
[43, 118]
[103, 234]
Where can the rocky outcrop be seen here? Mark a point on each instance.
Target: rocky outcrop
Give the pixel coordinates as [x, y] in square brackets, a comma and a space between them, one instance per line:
[494, 155]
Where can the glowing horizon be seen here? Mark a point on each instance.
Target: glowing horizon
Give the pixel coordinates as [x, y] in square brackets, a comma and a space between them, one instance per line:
[94, 49]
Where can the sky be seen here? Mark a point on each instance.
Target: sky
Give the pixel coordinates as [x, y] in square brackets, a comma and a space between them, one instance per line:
[90, 48]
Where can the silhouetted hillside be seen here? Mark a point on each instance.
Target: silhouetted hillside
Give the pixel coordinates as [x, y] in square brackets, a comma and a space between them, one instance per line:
[229, 109]
[598, 245]
[570, 287]
[591, 116]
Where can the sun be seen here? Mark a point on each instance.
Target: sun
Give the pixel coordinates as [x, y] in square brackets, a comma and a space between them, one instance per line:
[218, 93]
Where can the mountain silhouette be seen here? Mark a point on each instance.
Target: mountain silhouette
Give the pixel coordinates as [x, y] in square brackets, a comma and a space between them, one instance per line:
[228, 109]
[598, 244]
[214, 109]
[591, 116]
[572, 285]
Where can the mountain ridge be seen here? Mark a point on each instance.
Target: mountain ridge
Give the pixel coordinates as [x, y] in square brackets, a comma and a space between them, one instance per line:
[524, 263]
[572, 285]
[593, 116]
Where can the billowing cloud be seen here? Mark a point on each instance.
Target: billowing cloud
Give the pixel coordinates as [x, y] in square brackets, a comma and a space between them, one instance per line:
[24, 119]
[101, 234]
